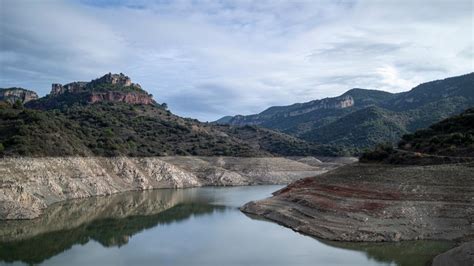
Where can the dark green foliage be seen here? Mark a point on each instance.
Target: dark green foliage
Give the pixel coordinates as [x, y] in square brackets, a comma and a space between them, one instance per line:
[106, 87]
[360, 129]
[62, 101]
[375, 116]
[379, 153]
[18, 104]
[448, 141]
[451, 137]
[111, 129]
[279, 143]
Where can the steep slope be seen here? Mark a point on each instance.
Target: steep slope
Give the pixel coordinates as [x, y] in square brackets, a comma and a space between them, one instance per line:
[448, 141]
[223, 120]
[434, 91]
[112, 116]
[301, 117]
[362, 128]
[314, 113]
[323, 121]
[279, 143]
[451, 137]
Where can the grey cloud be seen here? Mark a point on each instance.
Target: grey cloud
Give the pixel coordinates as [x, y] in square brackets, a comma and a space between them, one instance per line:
[353, 48]
[211, 58]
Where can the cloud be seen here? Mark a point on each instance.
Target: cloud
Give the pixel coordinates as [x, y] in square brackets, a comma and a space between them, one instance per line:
[212, 58]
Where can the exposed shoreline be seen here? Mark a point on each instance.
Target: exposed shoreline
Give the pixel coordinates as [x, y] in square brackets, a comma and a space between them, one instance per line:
[364, 202]
[29, 185]
[368, 203]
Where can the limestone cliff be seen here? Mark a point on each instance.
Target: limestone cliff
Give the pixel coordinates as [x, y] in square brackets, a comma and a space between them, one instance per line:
[12, 95]
[108, 88]
[298, 109]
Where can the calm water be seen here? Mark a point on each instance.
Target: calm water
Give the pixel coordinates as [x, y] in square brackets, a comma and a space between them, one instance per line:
[200, 226]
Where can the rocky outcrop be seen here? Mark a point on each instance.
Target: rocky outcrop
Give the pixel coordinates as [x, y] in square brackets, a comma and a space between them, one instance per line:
[115, 79]
[114, 96]
[108, 88]
[29, 185]
[297, 109]
[73, 87]
[328, 103]
[12, 95]
[363, 202]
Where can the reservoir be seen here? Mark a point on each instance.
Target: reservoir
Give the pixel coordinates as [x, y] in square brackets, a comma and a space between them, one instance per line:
[196, 226]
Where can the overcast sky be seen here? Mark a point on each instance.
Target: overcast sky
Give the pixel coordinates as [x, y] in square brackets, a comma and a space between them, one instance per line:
[208, 59]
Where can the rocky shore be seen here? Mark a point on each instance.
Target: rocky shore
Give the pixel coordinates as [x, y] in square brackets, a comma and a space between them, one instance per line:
[29, 185]
[376, 202]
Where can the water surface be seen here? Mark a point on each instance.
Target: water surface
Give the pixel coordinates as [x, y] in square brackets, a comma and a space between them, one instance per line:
[199, 226]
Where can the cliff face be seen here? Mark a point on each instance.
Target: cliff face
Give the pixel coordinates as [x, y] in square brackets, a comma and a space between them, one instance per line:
[114, 96]
[11, 95]
[109, 88]
[292, 111]
[73, 87]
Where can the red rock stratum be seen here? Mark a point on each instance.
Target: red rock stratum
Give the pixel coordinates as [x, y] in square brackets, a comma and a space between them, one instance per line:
[375, 202]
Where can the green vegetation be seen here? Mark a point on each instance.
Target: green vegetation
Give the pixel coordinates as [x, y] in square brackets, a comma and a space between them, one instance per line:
[105, 87]
[375, 116]
[18, 104]
[279, 143]
[67, 123]
[108, 129]
[360, 129]
[112, 129]
[451, 137]
[448, 141]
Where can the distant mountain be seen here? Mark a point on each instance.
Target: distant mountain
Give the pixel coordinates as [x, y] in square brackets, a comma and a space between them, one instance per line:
[460, 88]
[361, 118]
[111, 116]
[361, 128]
[223, 120]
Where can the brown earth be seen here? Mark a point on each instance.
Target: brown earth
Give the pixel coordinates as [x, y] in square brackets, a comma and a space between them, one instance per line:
[376, 202]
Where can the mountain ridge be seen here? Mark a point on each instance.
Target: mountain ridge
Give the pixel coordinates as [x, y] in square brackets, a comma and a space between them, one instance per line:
[108, 88]
[411, 110]
[104, 117]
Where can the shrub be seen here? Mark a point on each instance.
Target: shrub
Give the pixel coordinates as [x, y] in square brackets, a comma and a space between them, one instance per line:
[381, 152]
[18, 105]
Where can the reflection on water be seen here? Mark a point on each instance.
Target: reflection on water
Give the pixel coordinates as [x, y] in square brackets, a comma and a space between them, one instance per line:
[200, 226]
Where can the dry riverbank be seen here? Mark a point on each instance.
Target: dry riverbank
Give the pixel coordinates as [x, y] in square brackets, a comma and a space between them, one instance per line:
[375, 202]
[29, 185]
